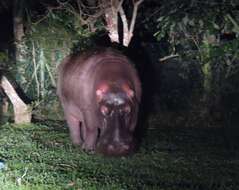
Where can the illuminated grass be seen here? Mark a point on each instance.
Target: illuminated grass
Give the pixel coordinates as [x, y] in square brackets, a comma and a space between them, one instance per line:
[42, 157]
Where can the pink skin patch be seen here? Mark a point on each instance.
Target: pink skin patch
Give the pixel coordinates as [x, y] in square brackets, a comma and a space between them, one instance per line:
[128, 90]
[103, 88]
[104, 110]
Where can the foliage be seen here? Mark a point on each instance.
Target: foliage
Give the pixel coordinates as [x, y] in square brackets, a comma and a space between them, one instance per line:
[3, 57]
[202, 31]
[47, 41]
[179, 81]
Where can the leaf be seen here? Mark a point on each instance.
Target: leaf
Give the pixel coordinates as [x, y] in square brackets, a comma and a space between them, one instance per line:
[185, 20]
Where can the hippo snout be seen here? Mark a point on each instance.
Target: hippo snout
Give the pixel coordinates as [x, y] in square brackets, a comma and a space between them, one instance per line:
[116, 148]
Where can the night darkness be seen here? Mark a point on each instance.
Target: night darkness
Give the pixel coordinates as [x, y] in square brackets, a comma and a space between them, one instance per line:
[157, 108]
[6, 36]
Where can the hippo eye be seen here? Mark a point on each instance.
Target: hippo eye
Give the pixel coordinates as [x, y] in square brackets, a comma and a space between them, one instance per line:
[127, 109]
[104, 110]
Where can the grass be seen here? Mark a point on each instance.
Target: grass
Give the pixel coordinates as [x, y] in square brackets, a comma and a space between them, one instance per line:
[40, 156]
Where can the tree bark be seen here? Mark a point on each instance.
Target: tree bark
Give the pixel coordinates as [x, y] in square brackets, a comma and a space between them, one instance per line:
[113, 11]
[22, 113]
[111, 18]
[18, 27]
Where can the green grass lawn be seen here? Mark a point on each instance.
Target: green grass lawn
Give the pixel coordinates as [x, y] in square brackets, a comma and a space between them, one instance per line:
[40, 156]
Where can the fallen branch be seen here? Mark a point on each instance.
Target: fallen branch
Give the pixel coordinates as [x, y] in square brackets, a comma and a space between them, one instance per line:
[168, 57]
[22, 112]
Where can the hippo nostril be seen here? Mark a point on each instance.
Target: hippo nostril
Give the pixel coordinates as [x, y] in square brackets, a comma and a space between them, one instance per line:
[118, 148]
[110, 147]
[125, 147]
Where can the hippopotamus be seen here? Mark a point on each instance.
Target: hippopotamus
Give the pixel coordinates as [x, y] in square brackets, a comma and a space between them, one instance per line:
[100, 92]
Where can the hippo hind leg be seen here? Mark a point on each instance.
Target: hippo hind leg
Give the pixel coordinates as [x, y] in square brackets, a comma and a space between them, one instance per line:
[75, 126]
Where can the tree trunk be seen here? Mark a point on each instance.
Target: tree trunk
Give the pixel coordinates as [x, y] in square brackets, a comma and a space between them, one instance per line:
[111, 18]
[18, 28]
[113, 12]
[22, 113]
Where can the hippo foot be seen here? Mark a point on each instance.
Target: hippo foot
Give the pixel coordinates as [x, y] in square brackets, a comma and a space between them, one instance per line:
[88, 148]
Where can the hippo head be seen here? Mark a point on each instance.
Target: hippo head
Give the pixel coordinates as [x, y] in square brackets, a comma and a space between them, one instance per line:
[116, 107]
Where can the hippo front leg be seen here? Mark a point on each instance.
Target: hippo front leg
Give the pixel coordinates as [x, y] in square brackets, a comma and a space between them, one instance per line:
[90, 139]
[90, 133]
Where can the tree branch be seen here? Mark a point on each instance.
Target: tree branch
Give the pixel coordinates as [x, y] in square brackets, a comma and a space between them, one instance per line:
[168, 57]
[126, 37]
[111, 18]
[135, 10]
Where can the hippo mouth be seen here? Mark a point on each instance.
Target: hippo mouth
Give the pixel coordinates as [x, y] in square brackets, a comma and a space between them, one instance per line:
[115, 148]
[114, 139]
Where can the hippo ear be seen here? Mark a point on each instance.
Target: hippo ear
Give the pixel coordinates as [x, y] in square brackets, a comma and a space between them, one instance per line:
[101, 90]
[128, 91]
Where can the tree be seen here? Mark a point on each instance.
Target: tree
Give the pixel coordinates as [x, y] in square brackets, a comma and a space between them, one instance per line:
[113, 10]
[90, 11]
